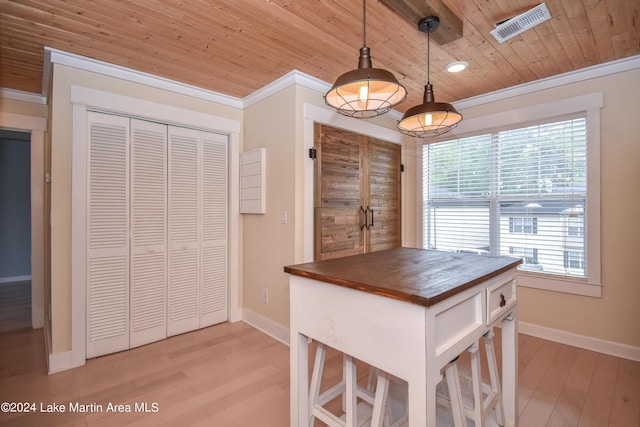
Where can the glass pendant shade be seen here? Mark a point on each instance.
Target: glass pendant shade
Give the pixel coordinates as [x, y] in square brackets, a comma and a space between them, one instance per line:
[429, 118]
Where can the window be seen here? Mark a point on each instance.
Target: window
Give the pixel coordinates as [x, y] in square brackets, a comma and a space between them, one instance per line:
[523, 225]
[574, 259]
[519, 192]
[575, 227]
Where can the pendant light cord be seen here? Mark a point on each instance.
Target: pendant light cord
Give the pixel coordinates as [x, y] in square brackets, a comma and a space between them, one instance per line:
[364, 22]
[429, 55]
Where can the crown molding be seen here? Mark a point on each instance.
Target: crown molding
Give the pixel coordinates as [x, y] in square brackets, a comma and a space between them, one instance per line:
[56, 56]
[588, 73]
[296, 77]
[18, 95]
[293, 77]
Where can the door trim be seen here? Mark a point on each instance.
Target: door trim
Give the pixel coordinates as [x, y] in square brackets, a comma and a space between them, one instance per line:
[84, 99]
[37, 127]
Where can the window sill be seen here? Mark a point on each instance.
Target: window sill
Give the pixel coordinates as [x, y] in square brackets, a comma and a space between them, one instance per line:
[559, 284]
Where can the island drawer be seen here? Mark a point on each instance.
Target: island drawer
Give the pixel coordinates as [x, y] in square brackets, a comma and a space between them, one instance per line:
[500, 298]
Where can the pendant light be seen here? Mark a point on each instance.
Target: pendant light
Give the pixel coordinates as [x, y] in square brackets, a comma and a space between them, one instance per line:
[365, 92]
[429, 118]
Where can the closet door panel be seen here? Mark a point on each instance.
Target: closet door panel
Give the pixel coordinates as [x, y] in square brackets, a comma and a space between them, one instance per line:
[107, 293]
[149, 232]
[184, 228]
[215, 219]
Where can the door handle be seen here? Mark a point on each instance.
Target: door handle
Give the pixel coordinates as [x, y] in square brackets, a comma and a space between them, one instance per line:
[364, 222]
[370, 225]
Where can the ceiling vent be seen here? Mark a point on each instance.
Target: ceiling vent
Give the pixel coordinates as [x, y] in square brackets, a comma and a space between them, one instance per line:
[519, 24]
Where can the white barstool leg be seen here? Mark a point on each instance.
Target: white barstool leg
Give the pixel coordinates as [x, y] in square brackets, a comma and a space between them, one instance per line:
[494, 400]
[380, 402]
[455, 393]
[317, 400]
[476, 383]
[482, 406]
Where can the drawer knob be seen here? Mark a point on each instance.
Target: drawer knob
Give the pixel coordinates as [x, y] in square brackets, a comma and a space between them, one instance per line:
[503, 301]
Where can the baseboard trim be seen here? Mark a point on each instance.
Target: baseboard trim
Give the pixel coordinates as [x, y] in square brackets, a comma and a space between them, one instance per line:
[268, 326]
[594, 344]
[47, 341]
[14, 279]
[57, 362]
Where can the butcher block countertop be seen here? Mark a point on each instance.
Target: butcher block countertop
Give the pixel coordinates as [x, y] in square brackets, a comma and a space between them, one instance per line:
[418, 276]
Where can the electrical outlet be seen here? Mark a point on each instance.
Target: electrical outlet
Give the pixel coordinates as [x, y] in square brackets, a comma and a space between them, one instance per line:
[265, 295]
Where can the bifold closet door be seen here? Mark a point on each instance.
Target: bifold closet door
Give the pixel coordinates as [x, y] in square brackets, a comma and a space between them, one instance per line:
[215, 225]
[148, 284]
[107, 291]
[198, 224]
[184, 218]
[157, 237]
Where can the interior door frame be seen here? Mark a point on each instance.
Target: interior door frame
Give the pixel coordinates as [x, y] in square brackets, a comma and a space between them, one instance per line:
[36, 127]
[313, 114]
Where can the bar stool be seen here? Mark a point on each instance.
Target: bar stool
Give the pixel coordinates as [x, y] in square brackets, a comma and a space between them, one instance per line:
[374, 395]
[483, 405]
[486, 397]
[380, 411]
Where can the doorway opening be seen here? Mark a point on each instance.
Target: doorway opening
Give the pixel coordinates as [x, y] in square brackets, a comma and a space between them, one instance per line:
[15, 230]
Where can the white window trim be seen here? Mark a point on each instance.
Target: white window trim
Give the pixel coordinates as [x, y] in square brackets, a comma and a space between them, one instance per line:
[591, 104]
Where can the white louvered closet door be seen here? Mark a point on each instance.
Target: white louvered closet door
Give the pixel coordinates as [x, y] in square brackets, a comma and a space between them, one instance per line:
[184, 220]
[107, 320]
[149, 232]
[214, 236]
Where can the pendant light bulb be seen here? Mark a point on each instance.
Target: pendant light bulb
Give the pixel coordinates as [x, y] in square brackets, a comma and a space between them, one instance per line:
[366, 91]
[430, 118]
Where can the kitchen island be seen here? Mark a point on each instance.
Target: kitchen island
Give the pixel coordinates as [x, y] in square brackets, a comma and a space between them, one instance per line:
[405, 311]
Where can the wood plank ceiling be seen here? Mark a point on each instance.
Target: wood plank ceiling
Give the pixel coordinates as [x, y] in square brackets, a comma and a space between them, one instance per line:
[236, 47]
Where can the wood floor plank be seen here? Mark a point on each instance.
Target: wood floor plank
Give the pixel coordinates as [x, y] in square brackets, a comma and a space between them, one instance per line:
[597, 406]
[233, 375]
[626, 396]
[570, 403]
[544, 399]
[15, 305]
[530, 377]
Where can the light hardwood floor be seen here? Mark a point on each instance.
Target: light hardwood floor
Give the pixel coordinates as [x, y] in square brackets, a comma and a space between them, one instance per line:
[15, 305]
[233, 375]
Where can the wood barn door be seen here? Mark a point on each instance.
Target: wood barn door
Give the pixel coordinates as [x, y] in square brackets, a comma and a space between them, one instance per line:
[357, 193]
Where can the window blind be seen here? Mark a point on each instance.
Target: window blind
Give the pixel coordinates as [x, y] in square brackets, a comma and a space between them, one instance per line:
[520, 192]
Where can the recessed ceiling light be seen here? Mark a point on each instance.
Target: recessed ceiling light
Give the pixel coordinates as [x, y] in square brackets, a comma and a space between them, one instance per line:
[457, 66]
